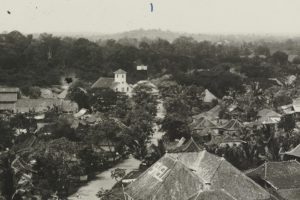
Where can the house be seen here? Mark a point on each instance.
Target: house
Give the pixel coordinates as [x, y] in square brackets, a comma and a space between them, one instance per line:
[281, 178]
[8, 99]
[118, 83]
[268, 117]
[179, 176]
[232, 127]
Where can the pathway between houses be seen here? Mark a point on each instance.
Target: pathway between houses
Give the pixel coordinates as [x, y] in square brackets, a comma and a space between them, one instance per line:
[103, 180]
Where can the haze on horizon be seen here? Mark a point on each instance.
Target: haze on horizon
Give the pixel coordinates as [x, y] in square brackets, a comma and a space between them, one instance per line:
[112, 16]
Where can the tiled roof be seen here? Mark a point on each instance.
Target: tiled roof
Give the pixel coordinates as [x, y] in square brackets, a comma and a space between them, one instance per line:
[120, 71]
[176, 182]
[280, 175]
[212, 195]
[199, 124]
[208, 96]
[268, 113]
[290, 194]
[204, 132]
[187, 173]
[294, 152]
[41, 105]
[233, 125]
[189, 146]
[211, 114]
[103, 82]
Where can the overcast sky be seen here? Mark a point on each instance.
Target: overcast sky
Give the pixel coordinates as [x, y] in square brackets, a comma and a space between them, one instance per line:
[110, 16]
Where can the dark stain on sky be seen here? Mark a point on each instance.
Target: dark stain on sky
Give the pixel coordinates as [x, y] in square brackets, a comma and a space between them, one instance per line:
[8, 12]
[151, 6]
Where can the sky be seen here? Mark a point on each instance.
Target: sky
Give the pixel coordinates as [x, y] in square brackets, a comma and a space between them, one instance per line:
[112, 16]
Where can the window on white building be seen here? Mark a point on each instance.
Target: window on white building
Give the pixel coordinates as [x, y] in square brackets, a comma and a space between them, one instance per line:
[123, 89]
[122, 76]
[127, 89]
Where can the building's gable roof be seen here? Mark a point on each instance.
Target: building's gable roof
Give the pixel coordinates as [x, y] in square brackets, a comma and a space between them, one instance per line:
[211, 114]
[294, 152]
[268, 113]
[233, 125]
[120, 71]
[212, 195]
[178, 182]
[199, 124]
[280, 175]
[189, 146]
[103, 82]
[208, 96]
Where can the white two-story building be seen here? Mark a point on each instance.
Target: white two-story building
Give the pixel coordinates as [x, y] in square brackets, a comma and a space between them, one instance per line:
[118, 83]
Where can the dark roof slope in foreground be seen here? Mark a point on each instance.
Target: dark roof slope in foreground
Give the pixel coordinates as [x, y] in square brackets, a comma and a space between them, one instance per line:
[212, 195]
[168, 178]
[280, 175]
[290, 194]
[188, 173]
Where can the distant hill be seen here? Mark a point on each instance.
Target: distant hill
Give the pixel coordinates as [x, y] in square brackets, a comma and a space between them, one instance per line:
[171, 35]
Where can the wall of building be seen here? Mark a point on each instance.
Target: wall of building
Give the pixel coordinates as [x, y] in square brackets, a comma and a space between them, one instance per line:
[8, 97]
[120, 78]
[8, 106]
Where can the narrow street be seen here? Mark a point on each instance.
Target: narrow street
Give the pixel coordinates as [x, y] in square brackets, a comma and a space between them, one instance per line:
[103, 180]
[159, 116]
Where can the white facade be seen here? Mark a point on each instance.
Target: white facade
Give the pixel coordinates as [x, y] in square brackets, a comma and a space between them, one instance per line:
[120, 83]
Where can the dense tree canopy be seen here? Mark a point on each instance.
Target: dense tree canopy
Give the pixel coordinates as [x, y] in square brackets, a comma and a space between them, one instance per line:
[26, 61]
